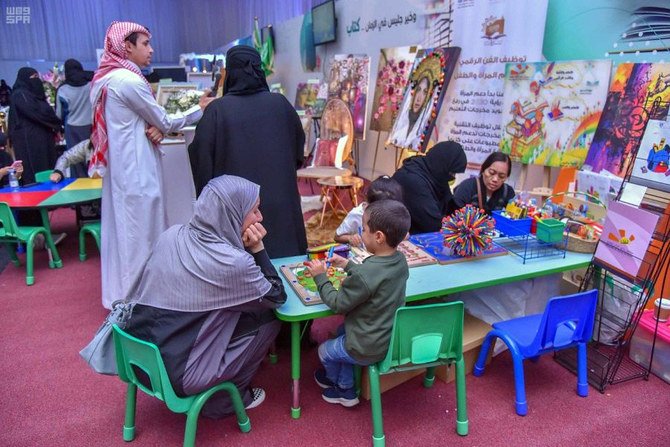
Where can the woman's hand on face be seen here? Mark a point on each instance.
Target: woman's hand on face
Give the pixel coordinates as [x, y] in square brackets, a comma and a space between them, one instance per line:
[315, 267]
[252, 238]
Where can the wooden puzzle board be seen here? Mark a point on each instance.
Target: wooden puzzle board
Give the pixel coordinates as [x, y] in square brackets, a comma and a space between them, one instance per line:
[416, 257]
[433, 244]
[304, 286]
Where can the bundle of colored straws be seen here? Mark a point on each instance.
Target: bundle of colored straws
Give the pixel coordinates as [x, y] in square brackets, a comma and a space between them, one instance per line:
[468, 231]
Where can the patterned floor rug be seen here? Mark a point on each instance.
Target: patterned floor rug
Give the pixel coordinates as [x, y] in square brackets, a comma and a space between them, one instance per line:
[324, 234]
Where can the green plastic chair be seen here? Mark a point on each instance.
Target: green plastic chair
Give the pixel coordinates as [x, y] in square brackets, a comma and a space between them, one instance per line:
[133, 352]
[92, 228]
[423, 337]
[43, 176]
[11, 233]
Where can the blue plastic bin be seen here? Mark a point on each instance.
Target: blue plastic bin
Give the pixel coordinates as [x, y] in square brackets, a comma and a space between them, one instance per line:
[512, 227]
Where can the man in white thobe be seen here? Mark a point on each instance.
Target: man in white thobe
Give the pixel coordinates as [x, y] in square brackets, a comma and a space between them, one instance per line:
[126, 116]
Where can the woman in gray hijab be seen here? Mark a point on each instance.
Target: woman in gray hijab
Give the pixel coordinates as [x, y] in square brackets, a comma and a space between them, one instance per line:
[206, 296]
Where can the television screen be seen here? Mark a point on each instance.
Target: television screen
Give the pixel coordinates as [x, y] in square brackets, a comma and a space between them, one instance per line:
[176, 74]
[323, 23]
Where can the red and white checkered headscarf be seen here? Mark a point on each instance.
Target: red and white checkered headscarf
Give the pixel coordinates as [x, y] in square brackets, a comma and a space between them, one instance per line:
[113, 58]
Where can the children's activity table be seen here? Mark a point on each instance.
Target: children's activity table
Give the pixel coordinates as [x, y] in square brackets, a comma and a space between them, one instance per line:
[424, 282]
[43, 196]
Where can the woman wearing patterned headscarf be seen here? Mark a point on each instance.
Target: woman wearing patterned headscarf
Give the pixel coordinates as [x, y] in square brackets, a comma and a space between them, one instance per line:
[257, 135]
[32, 125]
[133, 200]
[206, 294]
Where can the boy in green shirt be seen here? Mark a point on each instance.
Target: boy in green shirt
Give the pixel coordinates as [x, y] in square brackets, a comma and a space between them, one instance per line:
[368, 298]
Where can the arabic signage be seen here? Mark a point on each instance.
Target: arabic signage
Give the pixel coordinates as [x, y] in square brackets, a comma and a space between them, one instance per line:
[508, 32]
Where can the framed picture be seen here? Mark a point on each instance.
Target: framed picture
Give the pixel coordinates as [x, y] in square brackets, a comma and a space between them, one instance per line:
[638, 93]
[423, 97]
[392, 75]
[167, 91]
[311, 97]
[652, 161]
[348, 79]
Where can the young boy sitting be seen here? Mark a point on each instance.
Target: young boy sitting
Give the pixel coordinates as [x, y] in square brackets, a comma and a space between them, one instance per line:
[368, 298]
[382, 188]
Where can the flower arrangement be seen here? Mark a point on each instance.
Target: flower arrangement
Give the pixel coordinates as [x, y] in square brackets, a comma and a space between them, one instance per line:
[182, 100]
[391, 81]
[468, 231]
[51, 80]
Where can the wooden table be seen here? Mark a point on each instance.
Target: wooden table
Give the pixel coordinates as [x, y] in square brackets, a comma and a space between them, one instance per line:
[330, 187]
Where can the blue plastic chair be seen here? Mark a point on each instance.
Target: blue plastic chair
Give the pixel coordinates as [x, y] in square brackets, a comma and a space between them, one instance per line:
[567, 321]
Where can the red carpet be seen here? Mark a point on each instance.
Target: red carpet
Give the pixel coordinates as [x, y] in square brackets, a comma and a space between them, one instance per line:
[51, 398]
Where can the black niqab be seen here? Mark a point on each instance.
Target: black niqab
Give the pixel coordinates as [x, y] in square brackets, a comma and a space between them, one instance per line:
[440, 163]
[32, 85]
[244, 75]
[75, 75]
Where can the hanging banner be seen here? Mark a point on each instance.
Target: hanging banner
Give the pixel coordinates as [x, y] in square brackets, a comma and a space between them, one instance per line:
[491, 34]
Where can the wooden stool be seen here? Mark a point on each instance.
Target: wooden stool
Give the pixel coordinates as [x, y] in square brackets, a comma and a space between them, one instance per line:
[329, 192]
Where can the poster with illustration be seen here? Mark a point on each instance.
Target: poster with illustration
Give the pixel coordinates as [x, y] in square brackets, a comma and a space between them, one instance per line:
[307, 98]
[626, 235]
[652, 162]
[603, 187]
[348, 79]
[392, 74]
[638, 93]
[423, 97]
[550, 111]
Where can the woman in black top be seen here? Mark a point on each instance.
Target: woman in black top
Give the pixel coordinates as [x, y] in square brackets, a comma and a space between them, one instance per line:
[489, 190]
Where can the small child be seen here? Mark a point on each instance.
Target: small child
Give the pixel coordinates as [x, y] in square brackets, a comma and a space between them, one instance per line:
[368, 298]
[383, 187]
[79, 153]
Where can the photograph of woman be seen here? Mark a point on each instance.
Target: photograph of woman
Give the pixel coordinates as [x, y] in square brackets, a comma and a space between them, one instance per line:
[422, 95]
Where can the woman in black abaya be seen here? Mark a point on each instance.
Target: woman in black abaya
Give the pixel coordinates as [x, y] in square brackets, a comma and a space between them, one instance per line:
[32, 124]
[257, 135]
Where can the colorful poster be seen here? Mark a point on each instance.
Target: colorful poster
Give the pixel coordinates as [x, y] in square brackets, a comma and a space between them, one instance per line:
[348, 80]
[550, 111]
[491, 33]
[307, 98]
[392, 75]
[652, 162]
[638, 93]
[626, 235]
[601, 186]
[423, 97]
